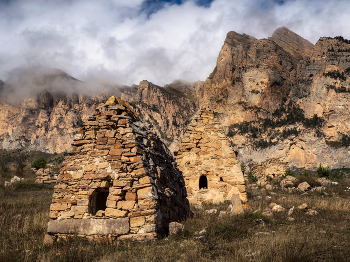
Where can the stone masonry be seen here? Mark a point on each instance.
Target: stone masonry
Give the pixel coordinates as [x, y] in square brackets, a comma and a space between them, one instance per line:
[119, 182]
[208, 163]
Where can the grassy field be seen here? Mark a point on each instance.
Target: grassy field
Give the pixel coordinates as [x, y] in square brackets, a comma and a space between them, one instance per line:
[247, 237]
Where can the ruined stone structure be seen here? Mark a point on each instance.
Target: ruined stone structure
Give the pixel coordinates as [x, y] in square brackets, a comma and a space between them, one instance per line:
[119, 181]
[45, 176]
[272, 168]
[208, 163]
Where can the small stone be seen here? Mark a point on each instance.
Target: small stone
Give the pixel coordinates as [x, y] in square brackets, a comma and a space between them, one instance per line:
[278, 208]
[237, 207]
[176, 228]
[49, 240]
[311, 212]
[290, 219]
[211, 211]
[268, 187]
[223, 213]
[267, 213]
[257, 198]
[290, 212]
[15, 179]
[198, 207]
[303, 206]
[304, 186]
[268, 198]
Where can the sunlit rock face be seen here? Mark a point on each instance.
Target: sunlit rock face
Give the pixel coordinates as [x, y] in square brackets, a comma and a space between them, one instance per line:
[283, 98]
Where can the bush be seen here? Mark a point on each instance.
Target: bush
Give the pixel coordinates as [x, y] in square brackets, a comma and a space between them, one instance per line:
[322, 172]
[251, 177]
[39, 163]
[288, 172]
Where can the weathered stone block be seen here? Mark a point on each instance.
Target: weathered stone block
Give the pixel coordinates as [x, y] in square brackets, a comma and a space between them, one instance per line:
[118, 226]
[67, 214]
[58, 206]
[130, 196]
[147, 193]
[111, 212]
[137, 221]
[126, 205]
[111, 203]
[116, 152]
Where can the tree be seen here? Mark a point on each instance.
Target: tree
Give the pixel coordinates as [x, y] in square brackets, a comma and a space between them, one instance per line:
[39, 163]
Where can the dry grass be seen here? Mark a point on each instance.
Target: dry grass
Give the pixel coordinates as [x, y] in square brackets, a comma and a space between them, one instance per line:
[323, 237]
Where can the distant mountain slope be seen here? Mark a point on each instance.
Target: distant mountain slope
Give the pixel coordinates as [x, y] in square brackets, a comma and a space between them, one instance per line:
[43, 109]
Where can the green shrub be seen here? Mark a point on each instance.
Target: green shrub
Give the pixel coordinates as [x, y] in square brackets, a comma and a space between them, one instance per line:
[322, 172]
[251, 177]
[39, 163]
[289, 172]
[26, 185]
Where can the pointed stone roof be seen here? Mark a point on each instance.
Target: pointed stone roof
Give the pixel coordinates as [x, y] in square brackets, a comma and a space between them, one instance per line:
[120, 181]
[207, 161]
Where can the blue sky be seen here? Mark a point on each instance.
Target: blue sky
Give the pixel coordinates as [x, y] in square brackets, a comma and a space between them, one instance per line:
[127, 41]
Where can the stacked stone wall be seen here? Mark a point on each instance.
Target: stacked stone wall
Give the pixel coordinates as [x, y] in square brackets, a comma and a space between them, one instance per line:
[119, 181]
[209, 164]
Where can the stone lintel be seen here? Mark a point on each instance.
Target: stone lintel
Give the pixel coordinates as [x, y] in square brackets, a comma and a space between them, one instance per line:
[117, 226]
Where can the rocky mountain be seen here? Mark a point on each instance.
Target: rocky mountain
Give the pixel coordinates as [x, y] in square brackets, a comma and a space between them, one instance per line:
[283, 98]
[56, 105]
[280, 100]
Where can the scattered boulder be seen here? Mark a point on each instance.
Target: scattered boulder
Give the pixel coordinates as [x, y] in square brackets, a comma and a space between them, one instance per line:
[311, 212]
[211, 211]
[324, 181]
[257, 198]
[288, 181]
[303, 206]
[176, 228]
[223, 213]
[15, 179]
[236, 205]
[290, 219]
[304, 186]
[49, 240]
[267, 213]
[269, 187]
[198, 207]
[290, 212]
[278, 208]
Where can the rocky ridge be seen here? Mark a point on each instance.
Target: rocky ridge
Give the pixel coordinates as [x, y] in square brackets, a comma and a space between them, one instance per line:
[48, 120]
[283, 98]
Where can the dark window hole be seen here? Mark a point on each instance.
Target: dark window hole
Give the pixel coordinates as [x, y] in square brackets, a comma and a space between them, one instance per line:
[98, 200]
[203, 182]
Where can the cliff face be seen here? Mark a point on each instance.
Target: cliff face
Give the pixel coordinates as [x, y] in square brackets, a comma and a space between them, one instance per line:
[48, 120]
[167, 109]
[283, 98]
[277, 98]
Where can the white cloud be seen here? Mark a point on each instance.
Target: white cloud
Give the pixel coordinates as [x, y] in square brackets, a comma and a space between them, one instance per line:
[117, 41]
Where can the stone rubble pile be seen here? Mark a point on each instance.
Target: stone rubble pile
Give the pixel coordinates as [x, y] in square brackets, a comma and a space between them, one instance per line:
[44, 176]
[119, 182]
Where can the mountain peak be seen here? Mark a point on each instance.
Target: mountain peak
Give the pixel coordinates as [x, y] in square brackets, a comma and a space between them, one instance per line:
[292, 42]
